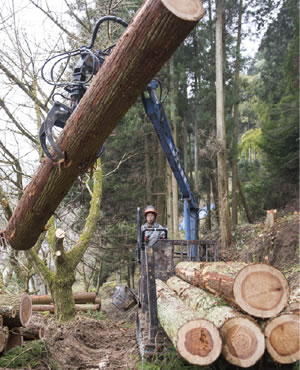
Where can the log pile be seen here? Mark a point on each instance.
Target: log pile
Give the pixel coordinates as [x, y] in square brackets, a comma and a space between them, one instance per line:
[84, 302]
[244, 308]
[15, 315]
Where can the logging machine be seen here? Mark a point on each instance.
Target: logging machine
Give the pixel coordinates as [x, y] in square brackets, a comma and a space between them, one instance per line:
[157, 260]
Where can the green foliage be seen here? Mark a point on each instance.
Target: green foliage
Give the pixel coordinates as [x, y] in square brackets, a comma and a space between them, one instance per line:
[29, 355]
[270, 178]
[170, 360]
[261, 189]
[97, 315]
[280, 139]
[250, 142]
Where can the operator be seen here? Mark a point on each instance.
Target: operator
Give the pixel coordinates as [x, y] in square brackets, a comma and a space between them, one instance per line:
[151, 237]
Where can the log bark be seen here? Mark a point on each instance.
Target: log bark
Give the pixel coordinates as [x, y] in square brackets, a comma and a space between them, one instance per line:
[282, 335]
[4, 333]
[16, 310]
[156, 31]
[81, 297]
[33, 333]
[15, 339]
[197, 340]
[243, 340]
[78, 307]
[294, 302]
[258, 289]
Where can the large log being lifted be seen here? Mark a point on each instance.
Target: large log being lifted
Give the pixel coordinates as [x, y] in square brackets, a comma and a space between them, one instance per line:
[156, 31]
[258, 289]
[196, 340]
[243, 340]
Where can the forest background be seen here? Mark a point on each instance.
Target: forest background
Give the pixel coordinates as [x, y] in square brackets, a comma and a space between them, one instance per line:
[261, 105]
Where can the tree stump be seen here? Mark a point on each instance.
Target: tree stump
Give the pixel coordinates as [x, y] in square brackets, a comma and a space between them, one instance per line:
[258, 289]
[243, 340]
[271, 218]
[196, 340]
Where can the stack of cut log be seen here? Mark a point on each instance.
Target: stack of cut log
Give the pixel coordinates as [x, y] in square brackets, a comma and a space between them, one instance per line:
[236, 309]
[15, 315]
[84, 301]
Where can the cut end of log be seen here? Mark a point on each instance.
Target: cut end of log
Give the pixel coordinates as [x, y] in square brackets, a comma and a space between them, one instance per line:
[59, 233]
[25, 310]
[199, 342]
[261, 290]
[283, 338]
[243, 342]
[189, 10]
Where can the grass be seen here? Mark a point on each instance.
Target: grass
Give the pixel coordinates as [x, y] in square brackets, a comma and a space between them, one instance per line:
[97, 315]
[170, 360]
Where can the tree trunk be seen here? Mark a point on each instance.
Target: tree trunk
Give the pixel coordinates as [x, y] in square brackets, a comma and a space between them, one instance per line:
[283, 338]
[140, 53]
[214, 187]
[244, 202]
[169, 201]
[236, 120]
[160, 186]
[173, 122]
[147, 168]
[196, 340]
[16, 310]
[258, 289]
[82, 297]
[208, 202]
[225, 226]
[243, 340]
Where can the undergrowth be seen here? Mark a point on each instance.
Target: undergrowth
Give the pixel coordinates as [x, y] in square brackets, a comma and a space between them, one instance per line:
[31, 355]
[170, 360]
[97, 315]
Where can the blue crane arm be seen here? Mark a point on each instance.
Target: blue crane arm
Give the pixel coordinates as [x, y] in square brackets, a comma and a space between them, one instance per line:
[157, 115]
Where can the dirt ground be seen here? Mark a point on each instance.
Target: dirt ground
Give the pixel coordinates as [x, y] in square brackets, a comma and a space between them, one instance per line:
[87, 343]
